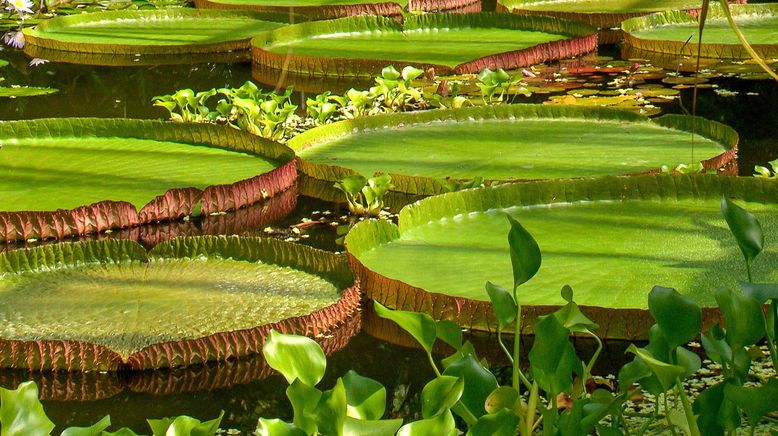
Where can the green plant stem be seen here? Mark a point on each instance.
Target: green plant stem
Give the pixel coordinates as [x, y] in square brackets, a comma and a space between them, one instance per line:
[502, 345]
[694, 430]
[771, 347]
[465, 413]
[517, 351]
[432, 362]
[667, 414]
[532, 404]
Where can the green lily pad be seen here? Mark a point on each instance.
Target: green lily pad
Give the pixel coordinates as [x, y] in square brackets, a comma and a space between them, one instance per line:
[506, 143]
[25, 91]
[159, 31]
[55, 166]
[668, 32]
[110, 304]
[612, 239]
[329, 9]
[361, 46]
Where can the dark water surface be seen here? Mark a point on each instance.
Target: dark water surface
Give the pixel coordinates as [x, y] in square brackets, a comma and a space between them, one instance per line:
[246, 390]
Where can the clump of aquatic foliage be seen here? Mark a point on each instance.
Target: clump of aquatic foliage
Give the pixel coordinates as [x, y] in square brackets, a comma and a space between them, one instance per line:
[761, 171]
[266, 114]
[272, 115]
[22, 414]
[365, 196]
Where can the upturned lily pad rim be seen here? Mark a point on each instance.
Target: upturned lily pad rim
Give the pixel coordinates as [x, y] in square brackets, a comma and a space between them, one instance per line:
[582, 39]
[74, 355]
[40, 35]
[707, 50]
[170, 205]
[420, 185]
[332, 11]
[621, 323]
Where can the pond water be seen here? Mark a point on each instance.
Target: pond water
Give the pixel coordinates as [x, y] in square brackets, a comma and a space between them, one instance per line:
[245, 390]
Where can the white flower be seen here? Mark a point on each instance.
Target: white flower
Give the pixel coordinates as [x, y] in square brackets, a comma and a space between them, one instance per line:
[14, 38]
[20, 6]
[38, 61]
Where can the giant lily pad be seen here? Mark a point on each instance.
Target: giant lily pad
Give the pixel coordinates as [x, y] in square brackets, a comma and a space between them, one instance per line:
[361, 46]
[109, 305]
[669, 32]
[507, 142]
[603, 14]
[64, 177]
[93, 385]
[328, 9]
[160, 31]
[611, 238]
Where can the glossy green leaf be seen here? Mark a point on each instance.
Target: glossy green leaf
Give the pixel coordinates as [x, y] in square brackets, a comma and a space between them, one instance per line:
[715, 413]
[95, 429]
[679, 317]
[689, 360]
[295, 357]
[351, 185]
[421, 326]
[276, 427]
[442, 425]
[185, 426]
[666, 373]
[742, 316]
[716, 347]
[466, 349]
[366, 398]
[552, 358]
[631, 373]
[331, 410]
[305, 400]
[449, 332]
[502, 303]
[502, 423]
[504, 397]
[441, 394]
[570, 314]
[525, 253]
[479, 383]
[756, 402]
[359, 427]
[21, 413]
[745, 228]
[124, 431]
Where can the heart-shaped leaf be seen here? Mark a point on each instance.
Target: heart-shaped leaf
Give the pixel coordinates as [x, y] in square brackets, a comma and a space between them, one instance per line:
[552, 358]
[276, 427]
[295, 357]
[479, 383]
[746, 230]
[679, 317]
[21, 413]
[95, 429]
[502, 423]
[365, 397]
[502, 303]
[742, 316]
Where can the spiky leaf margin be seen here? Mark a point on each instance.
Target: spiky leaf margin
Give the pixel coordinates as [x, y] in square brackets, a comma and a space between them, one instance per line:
[582, 39]
[614, 323]
[78, 355]
[173, 204]
[420, 185]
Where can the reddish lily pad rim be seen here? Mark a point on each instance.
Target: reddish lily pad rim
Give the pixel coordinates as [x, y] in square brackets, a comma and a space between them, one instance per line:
[75, 355]
[707, 50]
[420, 185]
[625, 323]
[582, 39]
[170, 205]
[329, 12]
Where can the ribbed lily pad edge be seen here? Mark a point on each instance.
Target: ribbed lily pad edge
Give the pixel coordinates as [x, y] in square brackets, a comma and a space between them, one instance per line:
[420, 185]
[171, 205]
[615, 323]
[74, 355]
[707, 50]
[583, 39]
